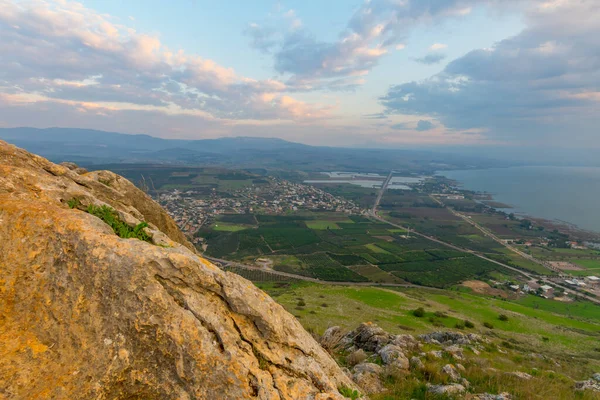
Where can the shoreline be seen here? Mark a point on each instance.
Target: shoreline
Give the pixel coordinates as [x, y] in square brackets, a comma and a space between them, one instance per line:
[487, 199]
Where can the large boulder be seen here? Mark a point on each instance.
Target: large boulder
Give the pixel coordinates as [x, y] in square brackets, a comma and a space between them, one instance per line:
[369, 337]
[85, 314]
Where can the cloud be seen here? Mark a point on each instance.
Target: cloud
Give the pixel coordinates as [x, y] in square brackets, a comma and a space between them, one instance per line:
[423, 125]
[542, 82]
[261, 38]
[438, 46]
[376, 28]
[400, 127]
[63, 52]
[430, 59]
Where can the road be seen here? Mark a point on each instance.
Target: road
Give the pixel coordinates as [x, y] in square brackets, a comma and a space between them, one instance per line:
[382, 190]
[491, 235]
[374, 215]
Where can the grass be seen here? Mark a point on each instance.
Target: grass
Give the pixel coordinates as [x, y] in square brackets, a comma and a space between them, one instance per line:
[572, 329]
[588, 264]
[376, 249]
[111, 217]
[225, 227]
[322, 225]
[375, 274]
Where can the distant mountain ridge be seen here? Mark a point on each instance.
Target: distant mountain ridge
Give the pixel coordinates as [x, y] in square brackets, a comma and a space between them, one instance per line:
[89, 147]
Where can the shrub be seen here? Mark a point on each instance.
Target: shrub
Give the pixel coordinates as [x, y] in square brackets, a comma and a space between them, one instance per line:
[441, 314]
[301, 303]
[488, 325]
[469, 324]
[74, 202]
[419, 312]
[109, 216]
[459, 325]
[349, 393]
[503, 317]
[324, 305]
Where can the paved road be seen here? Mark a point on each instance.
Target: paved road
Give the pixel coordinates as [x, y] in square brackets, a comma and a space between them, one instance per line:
[373, 214]
[382, 190]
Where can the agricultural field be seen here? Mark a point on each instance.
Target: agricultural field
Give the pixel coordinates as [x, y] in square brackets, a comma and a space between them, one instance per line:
[335, 247]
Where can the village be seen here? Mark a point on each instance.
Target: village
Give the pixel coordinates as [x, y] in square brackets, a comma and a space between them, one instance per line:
[192, 209]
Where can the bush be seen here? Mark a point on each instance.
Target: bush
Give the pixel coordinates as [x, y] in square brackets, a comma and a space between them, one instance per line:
[301, 303]
[459, 326]
[74, 203]
[349, 393]
[111, 217]
[419, 312]
[503, 317]
[469, 324]
[488, 325]
[440, 314]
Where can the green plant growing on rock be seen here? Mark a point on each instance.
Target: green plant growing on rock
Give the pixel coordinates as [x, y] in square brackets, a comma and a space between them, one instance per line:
[74, 203]
[348, 392]
[111, 218]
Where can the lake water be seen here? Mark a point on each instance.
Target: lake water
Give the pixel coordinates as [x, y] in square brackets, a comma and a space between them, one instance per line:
[570, 194]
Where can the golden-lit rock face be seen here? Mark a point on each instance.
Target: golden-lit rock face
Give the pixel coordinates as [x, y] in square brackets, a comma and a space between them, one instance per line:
[85, 314]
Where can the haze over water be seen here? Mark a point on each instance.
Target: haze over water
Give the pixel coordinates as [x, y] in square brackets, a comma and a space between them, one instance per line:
[569, 194]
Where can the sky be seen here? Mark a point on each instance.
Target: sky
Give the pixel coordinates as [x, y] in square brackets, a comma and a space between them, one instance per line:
[362, 73]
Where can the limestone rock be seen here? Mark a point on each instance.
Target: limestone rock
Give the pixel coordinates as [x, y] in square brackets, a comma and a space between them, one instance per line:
[519, 374]
[85, 314]
[367, 376]
[369, 337]
[451, 372]
[392, 354]
[592, 384]
[451, 338]
[455, 351]
[416, 363]
[488, 396]
[451, 389]
[406, 342]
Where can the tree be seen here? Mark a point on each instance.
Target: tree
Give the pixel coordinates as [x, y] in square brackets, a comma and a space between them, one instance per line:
[419, 312]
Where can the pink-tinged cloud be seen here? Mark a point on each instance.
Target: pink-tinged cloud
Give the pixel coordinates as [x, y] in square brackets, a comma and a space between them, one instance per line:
[63, 52]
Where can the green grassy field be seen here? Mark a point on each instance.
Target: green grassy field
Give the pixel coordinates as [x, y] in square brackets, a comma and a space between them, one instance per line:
[322, 225]
[225, 227]
[569, 328]
[376, 249]
[588, 264]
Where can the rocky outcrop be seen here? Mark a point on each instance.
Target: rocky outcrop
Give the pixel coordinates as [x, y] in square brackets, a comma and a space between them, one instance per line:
[592, 384]
[86, 314]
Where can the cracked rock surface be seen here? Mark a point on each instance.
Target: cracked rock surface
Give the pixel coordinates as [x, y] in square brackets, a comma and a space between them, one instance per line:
[85, 314]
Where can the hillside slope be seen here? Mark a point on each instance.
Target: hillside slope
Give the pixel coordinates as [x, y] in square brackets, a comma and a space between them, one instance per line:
[87, 314]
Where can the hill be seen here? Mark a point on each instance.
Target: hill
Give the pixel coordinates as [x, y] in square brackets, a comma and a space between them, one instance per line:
[103, 297]
[90, 147]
